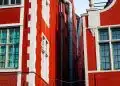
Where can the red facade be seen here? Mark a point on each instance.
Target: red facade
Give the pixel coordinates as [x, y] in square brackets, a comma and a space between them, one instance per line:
[43, 45]
[95, 21]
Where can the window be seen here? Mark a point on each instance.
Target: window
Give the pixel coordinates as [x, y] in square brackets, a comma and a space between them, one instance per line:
[45, 59]
[9, 47]
[109, 48]
[10, 2]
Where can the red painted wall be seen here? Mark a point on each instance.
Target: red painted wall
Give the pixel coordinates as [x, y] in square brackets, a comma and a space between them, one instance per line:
[9, 15]
[110, 78]
[8, 79]
[104, 79]
[91, 50]
[25, 43]
[50, 33]
[111, 16]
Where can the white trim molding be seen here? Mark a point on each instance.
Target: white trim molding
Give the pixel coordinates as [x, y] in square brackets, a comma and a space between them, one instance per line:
[85, 52]
[10, 25]
[31, 63]
[109, 7]
[11, 6]
[108, 27]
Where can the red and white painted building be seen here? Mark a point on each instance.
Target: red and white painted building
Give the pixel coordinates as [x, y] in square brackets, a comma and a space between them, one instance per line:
[30, 40]
[100, 46]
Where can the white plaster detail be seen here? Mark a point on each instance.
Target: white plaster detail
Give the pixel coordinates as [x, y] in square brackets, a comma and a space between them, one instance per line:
[46, 11]
[109, 7]
[97, 49]
[32, 48]
[21, 41]
[29, 23]
[93, 19]
[31, 78]
[30, 11]
[10, 25]
[45, 58]
[85, 53]
[11, 6]
[18, 79]
[29, 38]
[103, 71]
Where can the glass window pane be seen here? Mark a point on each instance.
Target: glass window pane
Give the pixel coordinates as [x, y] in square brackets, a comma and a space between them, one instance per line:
[1, 2]
[105, 56]
[11, 35]
[103, 34]
[5, 2]
[4, 36]
[12, 1]
[17, 35]
[2, 56]
[116, 55]
[18, 1]
[16, 54]
[116, 33]
[11, 57]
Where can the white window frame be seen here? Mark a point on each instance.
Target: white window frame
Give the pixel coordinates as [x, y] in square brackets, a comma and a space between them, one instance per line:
[13, 5]
[20, 48]
[109, 27]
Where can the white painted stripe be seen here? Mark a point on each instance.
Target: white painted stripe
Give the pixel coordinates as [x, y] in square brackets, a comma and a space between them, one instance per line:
[20, 44]
[103, 71]
[32, 48]
[85, 52]
[18, 79]
[11, 6]
[30, 11]
[28, 38]
[110, 6]
[29, 23]
[12, 24]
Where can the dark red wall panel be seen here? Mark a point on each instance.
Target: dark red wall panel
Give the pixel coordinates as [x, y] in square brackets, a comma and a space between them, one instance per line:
[91, 51]
[9, 15]
[8, 79]
[104, 79]
[111, 16]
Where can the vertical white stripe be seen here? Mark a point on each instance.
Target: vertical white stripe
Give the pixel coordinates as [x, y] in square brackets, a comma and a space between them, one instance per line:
[32, 47]
[97, 49]
[20, 43]
[85, 52]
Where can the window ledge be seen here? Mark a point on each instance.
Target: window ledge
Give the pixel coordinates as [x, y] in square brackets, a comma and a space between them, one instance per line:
[10, 6]
[101, 71]
[9, 70]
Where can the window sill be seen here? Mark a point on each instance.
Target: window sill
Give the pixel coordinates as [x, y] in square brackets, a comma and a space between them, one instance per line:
[9, 70]
[10, 6]
[101, 71]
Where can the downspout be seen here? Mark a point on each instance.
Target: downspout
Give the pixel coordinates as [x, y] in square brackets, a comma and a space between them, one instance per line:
[70, 39]
[61, 40]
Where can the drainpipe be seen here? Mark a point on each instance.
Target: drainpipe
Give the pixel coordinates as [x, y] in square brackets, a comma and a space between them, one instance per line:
[70, 52]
